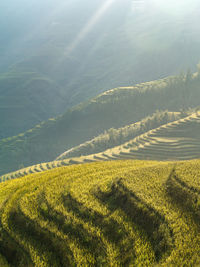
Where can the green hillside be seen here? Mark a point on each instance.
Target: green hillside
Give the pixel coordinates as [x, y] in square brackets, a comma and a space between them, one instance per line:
[120, 213]
[115, 137]
[177, 140]
[83, 48]
[113, 109]
[26, 99]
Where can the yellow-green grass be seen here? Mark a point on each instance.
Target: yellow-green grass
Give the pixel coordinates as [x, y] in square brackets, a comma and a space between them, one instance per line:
[3, 262]
[116, 213]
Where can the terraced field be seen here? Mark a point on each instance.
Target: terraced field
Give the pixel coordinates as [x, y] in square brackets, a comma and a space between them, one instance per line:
[119, 213]
[178, 140]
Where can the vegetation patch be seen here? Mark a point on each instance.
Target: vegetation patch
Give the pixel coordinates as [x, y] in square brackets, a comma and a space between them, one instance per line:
[115, 213]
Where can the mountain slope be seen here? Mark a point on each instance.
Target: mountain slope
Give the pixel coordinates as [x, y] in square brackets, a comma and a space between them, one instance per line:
[115, 137]
[26, 99]
[109, 214]
[178, 140]
[113, 109]
[87, 47]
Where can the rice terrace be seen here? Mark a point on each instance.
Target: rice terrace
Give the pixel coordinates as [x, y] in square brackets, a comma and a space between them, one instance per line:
[100, 133]
[177, 140]
[120, 213]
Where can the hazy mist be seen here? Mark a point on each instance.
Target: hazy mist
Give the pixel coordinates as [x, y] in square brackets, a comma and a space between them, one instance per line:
[87, 47]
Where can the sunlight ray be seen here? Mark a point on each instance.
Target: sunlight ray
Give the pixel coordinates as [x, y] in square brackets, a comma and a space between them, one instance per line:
[89, 26]
[176, 8]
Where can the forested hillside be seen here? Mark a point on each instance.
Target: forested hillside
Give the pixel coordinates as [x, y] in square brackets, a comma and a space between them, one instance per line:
[113, 109]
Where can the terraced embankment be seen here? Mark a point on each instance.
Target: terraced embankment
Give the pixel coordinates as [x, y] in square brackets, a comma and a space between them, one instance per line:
[120, 213]
[178, 140]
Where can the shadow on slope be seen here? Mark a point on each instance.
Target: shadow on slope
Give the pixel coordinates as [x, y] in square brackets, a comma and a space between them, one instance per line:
[39, 239]
[184, 197]
[138, 212]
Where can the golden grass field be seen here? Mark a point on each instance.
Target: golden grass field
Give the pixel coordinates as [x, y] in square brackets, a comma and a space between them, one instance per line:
[116, 213]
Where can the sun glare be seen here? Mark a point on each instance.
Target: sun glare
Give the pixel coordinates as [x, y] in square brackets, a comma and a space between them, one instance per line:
[89, 26]
[175, 7]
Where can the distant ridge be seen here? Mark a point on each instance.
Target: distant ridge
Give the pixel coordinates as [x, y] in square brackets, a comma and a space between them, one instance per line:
[115, 108]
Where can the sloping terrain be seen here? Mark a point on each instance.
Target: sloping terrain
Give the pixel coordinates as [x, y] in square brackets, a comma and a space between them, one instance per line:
[115, 137]
[119, 213]
[87, 47]
[178, 140]
[113, 109]
[26, 99]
